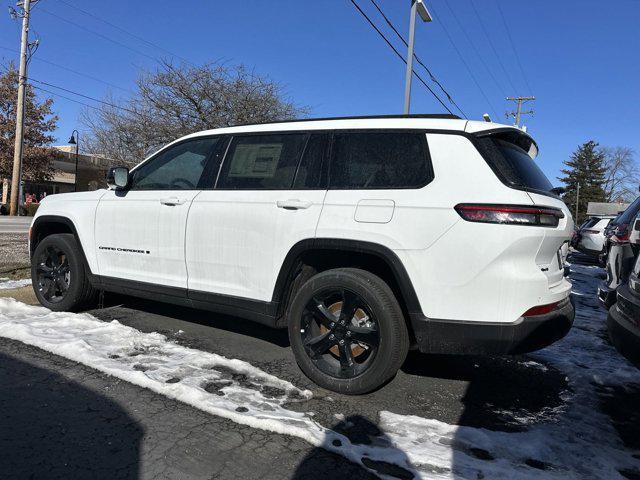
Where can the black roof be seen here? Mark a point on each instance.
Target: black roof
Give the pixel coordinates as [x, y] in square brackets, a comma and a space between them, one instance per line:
[444, 116]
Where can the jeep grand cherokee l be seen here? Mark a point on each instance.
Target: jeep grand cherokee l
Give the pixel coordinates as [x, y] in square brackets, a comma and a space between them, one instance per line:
[363, 236]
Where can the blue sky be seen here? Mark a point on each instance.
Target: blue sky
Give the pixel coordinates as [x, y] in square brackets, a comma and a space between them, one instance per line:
[580, 58]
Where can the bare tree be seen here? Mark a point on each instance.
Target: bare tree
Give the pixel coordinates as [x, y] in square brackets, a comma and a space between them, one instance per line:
[623, 174]
[173, 101]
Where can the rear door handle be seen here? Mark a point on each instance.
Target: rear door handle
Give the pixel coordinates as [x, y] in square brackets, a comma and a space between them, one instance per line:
[294, 204]
[172, 201]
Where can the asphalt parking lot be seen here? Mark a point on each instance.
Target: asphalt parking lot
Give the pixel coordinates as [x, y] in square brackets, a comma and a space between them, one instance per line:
[68, 420]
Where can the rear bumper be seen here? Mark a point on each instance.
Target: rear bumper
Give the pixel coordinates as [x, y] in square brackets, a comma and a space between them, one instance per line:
[624, 333]
[606, 295]
[589, 251]
[466, 337]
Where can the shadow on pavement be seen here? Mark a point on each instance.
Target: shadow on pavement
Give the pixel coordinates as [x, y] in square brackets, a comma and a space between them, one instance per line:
[201, 317]
[501, 391]
[52, 427]
[621, 403]
[320, 463]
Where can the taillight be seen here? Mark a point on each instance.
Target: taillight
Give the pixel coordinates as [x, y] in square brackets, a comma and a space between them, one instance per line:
[540, 309]
[621, 233]
[510, 214]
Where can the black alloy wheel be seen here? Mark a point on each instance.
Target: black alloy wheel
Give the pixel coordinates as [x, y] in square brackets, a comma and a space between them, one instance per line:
[59, 274]
[339, 333]
[53, 274]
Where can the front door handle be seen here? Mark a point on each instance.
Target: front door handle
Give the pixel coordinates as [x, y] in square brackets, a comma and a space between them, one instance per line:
[172, 201]
[293, 204]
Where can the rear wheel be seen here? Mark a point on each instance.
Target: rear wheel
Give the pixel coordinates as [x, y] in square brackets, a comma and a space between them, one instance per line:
[58, 274]
[347, 331]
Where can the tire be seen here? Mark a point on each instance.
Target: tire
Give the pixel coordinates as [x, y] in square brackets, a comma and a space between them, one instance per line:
[58, 261]
[316, 322]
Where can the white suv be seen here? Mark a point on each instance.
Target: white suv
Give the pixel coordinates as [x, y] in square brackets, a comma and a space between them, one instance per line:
[363, 236]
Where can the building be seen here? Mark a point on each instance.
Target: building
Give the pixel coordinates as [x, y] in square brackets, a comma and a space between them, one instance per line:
[92, 170]
[596, 209]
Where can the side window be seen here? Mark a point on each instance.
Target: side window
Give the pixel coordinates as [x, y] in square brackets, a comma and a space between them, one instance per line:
[177, 168]
[262, 162]
[312, 172]
[362, 160]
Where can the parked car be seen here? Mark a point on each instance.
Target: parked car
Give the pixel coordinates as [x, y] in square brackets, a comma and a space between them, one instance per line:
[590, 239]
[621, 253]
[623, 321]
[362, 236]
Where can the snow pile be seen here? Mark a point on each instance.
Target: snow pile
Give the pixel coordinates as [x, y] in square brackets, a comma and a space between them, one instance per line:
[6, 284]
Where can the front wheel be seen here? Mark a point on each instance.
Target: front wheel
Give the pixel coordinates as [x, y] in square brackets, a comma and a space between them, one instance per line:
[58, 274]
[347, 331]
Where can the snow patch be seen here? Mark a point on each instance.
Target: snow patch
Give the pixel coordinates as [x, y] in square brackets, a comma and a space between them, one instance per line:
[6, 284]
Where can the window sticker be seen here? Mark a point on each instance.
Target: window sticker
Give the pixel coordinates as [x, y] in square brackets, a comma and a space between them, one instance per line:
[255, 160]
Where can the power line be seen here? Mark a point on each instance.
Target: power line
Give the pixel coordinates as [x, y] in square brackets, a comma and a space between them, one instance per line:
[71, 70]
[105, 37]
[513, 46]
[83, 96]
[431, 75]
[466, 65]
[117, 27]
[65, 97]
[486, 34]
[475, 49]
[399, 55]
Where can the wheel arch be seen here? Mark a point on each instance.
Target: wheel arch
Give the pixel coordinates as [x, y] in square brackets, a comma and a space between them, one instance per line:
[314, 255]
[46, 225]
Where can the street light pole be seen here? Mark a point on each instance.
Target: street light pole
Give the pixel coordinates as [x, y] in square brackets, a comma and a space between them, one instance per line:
[417, 7]
[73, 141]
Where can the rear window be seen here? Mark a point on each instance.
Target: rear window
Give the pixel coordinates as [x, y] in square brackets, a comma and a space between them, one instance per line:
[590, 223]
[630, 213]
[507, 155]
[362, 160]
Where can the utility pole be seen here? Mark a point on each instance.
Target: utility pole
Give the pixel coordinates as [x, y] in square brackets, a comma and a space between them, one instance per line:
[577, 201]
[417, 7]
[518, 113]
[22, 80]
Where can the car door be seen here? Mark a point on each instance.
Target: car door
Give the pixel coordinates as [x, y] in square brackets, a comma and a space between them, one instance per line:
[268, 196]
[140, 232]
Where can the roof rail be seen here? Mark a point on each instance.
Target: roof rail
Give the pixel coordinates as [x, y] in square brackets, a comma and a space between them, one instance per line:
[444, 116]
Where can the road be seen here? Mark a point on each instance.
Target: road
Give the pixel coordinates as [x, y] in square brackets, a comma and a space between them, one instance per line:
[14, 224]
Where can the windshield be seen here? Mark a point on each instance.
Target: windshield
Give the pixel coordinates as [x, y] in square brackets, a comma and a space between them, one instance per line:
[629, 214]
[508, 156]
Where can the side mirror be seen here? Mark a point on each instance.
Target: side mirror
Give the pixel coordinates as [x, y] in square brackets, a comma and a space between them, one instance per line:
[558, 190]
[118, 178]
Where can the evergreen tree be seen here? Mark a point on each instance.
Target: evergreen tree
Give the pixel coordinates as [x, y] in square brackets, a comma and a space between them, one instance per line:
[587, 169]
[38, 125]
